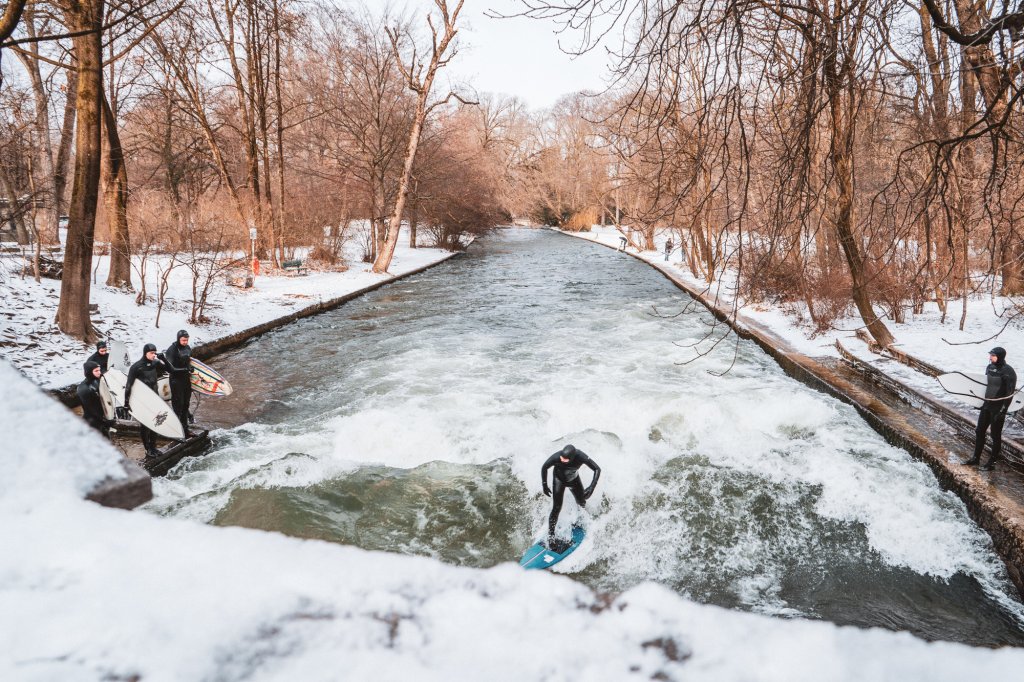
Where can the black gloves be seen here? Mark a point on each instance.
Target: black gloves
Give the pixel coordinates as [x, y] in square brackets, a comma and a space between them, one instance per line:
[547, 490]
[588, 492]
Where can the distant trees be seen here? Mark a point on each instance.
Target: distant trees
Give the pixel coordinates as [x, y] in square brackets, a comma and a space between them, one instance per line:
[843, 153]
[297, 120]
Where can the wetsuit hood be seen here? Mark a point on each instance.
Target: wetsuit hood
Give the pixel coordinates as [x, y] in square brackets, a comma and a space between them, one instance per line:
[1000, 354]
[181, 334]
[148, 347]
[100, 345]
[568, 451]
[89, 367]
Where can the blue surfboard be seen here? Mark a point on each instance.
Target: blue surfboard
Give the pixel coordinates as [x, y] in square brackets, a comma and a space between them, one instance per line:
[540, 557]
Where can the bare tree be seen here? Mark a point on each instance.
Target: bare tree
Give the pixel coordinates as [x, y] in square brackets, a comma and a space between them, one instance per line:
[420, 79]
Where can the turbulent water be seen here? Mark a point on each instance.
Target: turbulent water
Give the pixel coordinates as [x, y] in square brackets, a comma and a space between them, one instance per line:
[416, 418]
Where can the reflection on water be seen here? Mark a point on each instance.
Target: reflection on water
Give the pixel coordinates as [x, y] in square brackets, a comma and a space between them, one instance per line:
[415, 420]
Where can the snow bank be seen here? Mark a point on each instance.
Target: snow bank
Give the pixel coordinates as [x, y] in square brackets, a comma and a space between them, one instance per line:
[925, 336]
[30, 340]
[91, 593]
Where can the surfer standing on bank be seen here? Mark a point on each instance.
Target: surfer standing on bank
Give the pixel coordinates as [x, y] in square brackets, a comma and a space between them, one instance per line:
[179, 363]
[147, 370]
[567, 463]
[89, 395]
[100, 357]
[1002, 382]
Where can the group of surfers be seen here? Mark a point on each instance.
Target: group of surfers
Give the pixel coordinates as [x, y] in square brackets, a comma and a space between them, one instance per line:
[176, 362]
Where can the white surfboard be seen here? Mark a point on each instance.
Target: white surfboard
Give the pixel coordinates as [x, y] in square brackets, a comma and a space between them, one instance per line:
[118, 357]
[145, 406]
[107, 400]
[970, 388]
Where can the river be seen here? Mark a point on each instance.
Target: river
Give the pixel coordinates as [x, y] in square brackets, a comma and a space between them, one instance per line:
[415, 420]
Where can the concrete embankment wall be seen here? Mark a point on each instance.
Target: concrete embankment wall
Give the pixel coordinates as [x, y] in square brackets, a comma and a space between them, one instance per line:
[993, 508]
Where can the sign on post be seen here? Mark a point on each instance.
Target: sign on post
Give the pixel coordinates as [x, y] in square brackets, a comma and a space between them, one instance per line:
[255, 263]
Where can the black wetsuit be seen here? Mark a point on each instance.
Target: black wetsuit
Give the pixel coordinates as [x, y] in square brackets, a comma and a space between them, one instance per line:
[179, 364]
[100, 359]
[1002, 382]
[147, 372]
[89, 395]
[567, 475]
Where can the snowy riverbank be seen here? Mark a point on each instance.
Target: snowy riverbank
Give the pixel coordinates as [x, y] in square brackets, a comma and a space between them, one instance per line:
[90, 593]
[30, 340]
[924, 336]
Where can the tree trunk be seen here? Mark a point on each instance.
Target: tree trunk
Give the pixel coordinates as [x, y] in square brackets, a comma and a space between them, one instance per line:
[50, 212]
[387, 251]
[422, 89]
[414, 219]
[115, 195]
[73, 310]
[279, 107]
[16, 221]
[67, 131]
[10, 18]
[840, 88]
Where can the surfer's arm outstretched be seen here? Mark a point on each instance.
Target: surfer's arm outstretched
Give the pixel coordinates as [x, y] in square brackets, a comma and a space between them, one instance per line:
[172, 359]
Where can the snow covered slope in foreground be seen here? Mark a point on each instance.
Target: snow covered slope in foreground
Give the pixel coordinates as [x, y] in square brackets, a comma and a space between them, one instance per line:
[89, 593]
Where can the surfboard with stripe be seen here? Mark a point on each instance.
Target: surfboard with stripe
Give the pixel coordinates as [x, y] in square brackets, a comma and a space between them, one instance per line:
[208, 381]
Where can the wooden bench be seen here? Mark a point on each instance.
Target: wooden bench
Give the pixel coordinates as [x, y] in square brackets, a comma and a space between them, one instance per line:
[295, 265]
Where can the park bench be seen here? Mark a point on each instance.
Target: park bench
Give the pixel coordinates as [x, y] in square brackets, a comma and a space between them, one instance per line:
[295, 265]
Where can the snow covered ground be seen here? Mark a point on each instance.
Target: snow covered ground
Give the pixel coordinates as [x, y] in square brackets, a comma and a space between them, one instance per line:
[924, 336]
[90, 593]
[30, 340]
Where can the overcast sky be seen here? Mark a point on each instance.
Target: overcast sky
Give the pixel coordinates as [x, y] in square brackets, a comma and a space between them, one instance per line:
[517, 56]
[521, 56]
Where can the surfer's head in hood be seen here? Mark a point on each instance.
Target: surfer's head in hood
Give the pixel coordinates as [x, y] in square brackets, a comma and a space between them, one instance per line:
[92, 370]
[999, 353]
[101, 347]
[567, 452]
[182, 334]
[147, 349]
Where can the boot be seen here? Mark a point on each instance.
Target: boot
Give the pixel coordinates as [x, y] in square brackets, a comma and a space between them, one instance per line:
[973, 461]
[989, 465]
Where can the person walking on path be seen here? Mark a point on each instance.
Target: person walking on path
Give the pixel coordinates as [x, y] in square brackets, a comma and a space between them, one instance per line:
[668, 248]
[566, 463]
[179, 363]
[1002, 383]
[147, 370]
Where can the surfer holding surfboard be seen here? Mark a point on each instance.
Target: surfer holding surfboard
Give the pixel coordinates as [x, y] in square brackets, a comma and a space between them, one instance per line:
[566, 463]
[178, 359]
[89, 395]
[146, 370]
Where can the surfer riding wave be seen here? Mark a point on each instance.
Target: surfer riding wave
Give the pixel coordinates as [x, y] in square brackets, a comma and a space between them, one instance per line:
[566, 463]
